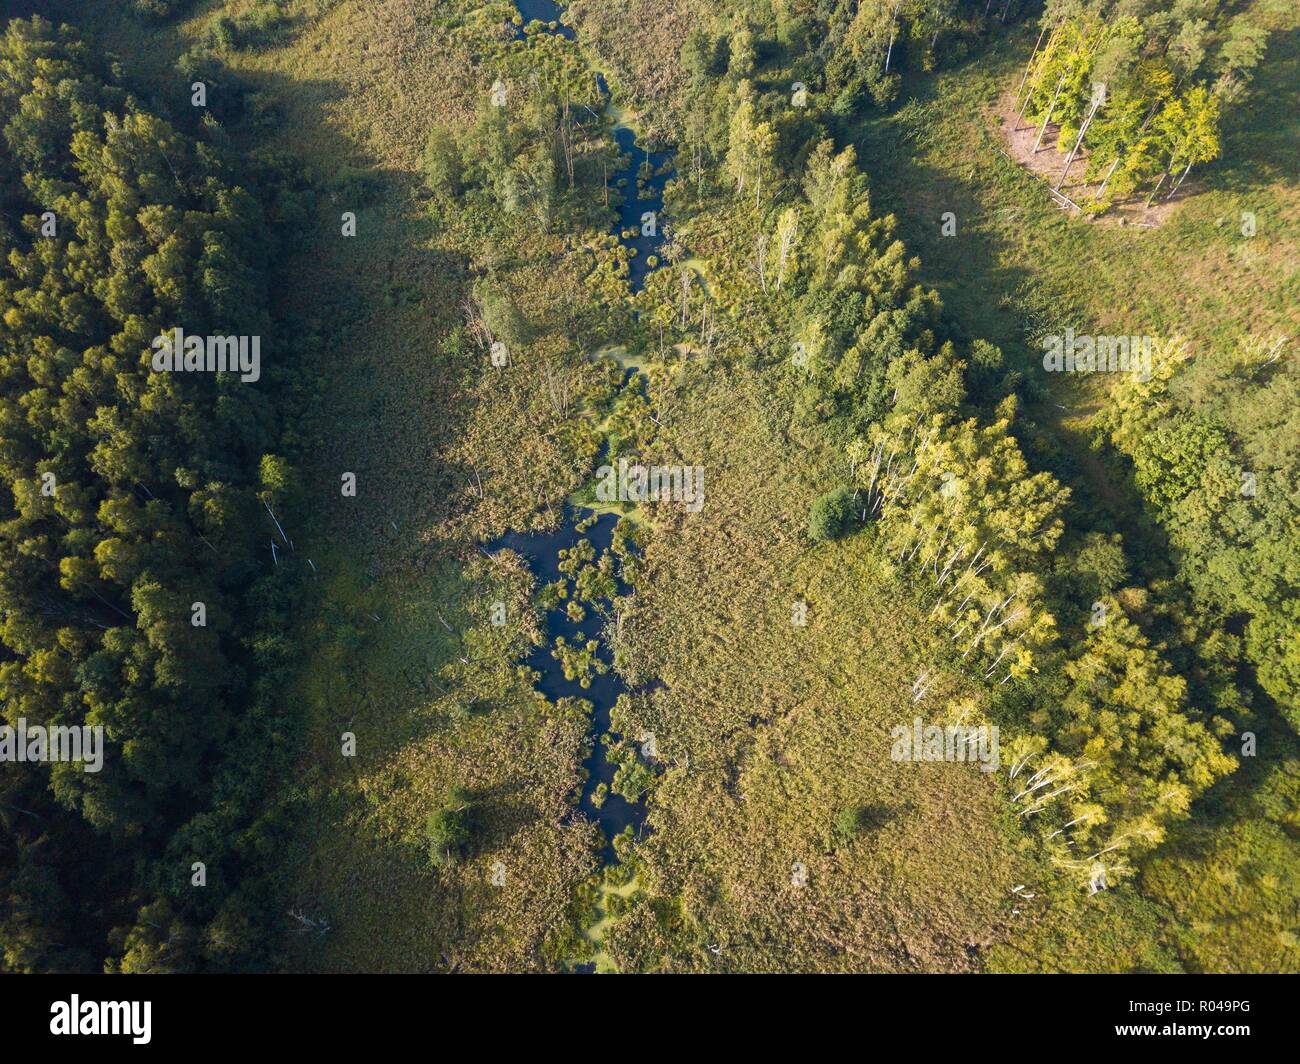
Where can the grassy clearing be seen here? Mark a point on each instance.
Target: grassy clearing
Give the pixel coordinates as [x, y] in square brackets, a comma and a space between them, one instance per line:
[767, 729]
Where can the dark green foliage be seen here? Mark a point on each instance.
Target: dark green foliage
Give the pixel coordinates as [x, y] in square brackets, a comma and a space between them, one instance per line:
[442, 164]
[501, 316]
[854, 821]
[159, 9]
[154, 505]
[703, 56]
[830, 515]
[260, 27]
[450, 828]
[848, 823]
[1229, 509]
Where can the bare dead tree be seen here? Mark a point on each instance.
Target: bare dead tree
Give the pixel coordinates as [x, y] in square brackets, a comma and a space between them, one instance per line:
[893, 29]
[1078, 141]
[786, 234]
[557, 389]
[474, 322]
[1048, 117]
[1025, 77]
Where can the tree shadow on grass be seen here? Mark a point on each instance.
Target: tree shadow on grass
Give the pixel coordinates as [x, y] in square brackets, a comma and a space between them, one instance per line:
[1261, 140]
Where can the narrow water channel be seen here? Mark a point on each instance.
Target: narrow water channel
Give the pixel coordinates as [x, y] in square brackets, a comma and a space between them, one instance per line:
[643, 178]
[612, 812]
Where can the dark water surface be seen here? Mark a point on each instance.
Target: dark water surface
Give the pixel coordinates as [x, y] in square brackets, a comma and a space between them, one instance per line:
[542, 552]
[545, 11]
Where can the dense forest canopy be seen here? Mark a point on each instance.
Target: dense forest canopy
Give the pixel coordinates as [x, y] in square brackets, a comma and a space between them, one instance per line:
[139, 590]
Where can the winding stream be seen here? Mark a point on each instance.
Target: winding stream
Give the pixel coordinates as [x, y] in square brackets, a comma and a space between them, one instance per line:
[614, 814]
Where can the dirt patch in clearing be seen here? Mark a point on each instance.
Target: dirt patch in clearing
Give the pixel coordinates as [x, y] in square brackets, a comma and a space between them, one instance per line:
[1075, 193]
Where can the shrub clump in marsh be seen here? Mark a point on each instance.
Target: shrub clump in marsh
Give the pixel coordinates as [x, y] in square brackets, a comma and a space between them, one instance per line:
[449, 829]
[831, 515]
